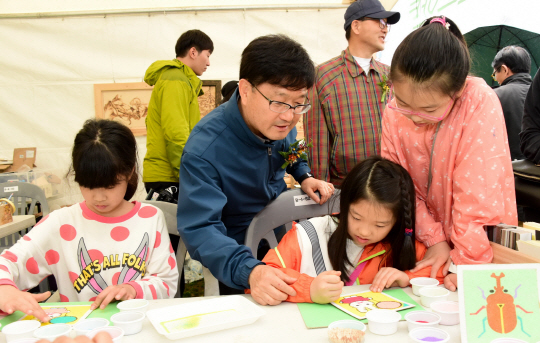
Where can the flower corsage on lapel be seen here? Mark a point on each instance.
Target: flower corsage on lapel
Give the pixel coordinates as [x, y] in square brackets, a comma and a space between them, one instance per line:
[297, 150]
[385, 86]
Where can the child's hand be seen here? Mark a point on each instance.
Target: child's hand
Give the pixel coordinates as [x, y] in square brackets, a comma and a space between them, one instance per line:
[389, 277]
[326, 287]
[12, 299]
[450, 282]
[111, 293]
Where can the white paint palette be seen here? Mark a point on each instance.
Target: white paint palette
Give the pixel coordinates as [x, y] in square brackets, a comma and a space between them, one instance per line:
[200, 317]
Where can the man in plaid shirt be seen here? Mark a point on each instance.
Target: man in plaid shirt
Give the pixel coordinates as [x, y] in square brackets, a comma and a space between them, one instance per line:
[344, 123]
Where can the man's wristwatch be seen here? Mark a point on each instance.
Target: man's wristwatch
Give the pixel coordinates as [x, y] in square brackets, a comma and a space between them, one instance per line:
[303, 177]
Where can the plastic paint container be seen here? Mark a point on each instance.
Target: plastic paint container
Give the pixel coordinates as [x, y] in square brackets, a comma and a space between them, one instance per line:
[20, 329]
[423, 335]
[448, 310]
[429, 295]
[140, 305]
[130, 321]
[421, 282]
[383, 322]
[419, 319]
[117, 334]
[337, 336]
[86, 325]
[52, 331]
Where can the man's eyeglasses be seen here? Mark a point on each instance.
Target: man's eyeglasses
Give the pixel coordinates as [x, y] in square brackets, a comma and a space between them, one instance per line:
[495, 72]
[382, 23]
[282, 107]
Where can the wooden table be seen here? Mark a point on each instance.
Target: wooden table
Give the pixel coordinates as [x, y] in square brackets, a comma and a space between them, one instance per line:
[280, 324]
[19, 223]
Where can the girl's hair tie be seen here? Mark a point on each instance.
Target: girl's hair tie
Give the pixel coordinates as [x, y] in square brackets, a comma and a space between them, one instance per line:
[408, 232]
[441, 21]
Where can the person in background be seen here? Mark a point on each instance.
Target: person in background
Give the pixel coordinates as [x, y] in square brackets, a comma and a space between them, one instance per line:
[371, 240]
[173, 110]
[511, 68]
[231, 167]
[530, 129]
[228, 90]
[447, 129]
[101, 250]
[344, 123]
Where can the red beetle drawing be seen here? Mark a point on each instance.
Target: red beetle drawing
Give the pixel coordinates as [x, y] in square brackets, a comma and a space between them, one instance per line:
[501, 310]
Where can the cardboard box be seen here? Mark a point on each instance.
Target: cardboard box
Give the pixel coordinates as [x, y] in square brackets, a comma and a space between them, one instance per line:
[21, 156]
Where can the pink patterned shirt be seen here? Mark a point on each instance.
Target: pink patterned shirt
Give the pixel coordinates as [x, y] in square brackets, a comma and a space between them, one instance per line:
[472, 179]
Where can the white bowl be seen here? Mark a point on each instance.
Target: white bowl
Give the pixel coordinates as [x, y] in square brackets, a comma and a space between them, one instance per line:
[428, 295]
[86, 325]
[130, 321]
[383, 322]
[52, 331]
[420, 319]
[20, 329]
[140, 305]
[420, 334]
[448, 310]
[421, 282]
[336, 337]
[116, 333]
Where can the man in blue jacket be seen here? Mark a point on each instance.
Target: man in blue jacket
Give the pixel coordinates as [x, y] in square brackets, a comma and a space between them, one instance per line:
[231, 166]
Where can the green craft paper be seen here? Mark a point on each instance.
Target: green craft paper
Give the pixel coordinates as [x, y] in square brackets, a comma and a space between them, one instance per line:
[97, 313]
[320, 316]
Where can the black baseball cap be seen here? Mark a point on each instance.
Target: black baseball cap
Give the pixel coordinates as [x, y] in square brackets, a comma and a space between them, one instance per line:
[371, 9]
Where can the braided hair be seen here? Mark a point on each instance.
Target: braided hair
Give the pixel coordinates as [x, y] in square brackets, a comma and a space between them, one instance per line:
[383, 182]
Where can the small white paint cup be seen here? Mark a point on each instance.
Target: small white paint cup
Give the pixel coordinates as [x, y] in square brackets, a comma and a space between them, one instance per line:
[86, 325]
[419, 319]
[52, 331]
[421, 282]
[140, 305]
[383, 322]
[20, 329]
[420, 335]
[116, 333]
[130, 321]
[429, 295]
[448, 310]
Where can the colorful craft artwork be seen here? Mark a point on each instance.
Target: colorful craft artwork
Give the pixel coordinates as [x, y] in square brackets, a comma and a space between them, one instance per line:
[358, 304]
[69, 314]
[499, 301]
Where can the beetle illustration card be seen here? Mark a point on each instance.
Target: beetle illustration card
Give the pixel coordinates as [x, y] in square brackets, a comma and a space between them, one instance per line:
[499, 301]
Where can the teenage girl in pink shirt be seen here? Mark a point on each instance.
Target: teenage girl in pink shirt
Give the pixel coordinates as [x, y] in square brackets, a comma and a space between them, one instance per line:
[447, 129]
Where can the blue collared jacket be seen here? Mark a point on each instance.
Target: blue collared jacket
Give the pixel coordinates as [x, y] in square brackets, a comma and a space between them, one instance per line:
[227, 176]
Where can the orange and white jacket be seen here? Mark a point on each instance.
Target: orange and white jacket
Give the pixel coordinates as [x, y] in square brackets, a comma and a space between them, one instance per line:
[295, 255]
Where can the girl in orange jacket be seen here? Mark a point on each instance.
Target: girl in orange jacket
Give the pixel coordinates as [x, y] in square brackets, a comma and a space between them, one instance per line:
[371, 240]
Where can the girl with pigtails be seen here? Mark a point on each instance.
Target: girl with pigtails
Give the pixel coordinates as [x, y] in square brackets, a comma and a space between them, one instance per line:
[103, 249]
[447, 129]
[371, 241]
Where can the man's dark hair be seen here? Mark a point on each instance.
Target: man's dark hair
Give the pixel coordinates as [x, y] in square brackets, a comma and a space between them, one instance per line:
[277, 60]
[193, 38]
[516, 58]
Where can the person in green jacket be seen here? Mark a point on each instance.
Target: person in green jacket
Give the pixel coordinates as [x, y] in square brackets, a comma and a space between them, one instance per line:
[173, 110]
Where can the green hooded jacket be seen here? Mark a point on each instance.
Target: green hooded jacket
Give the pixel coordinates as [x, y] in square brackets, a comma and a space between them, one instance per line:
[172, 113]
